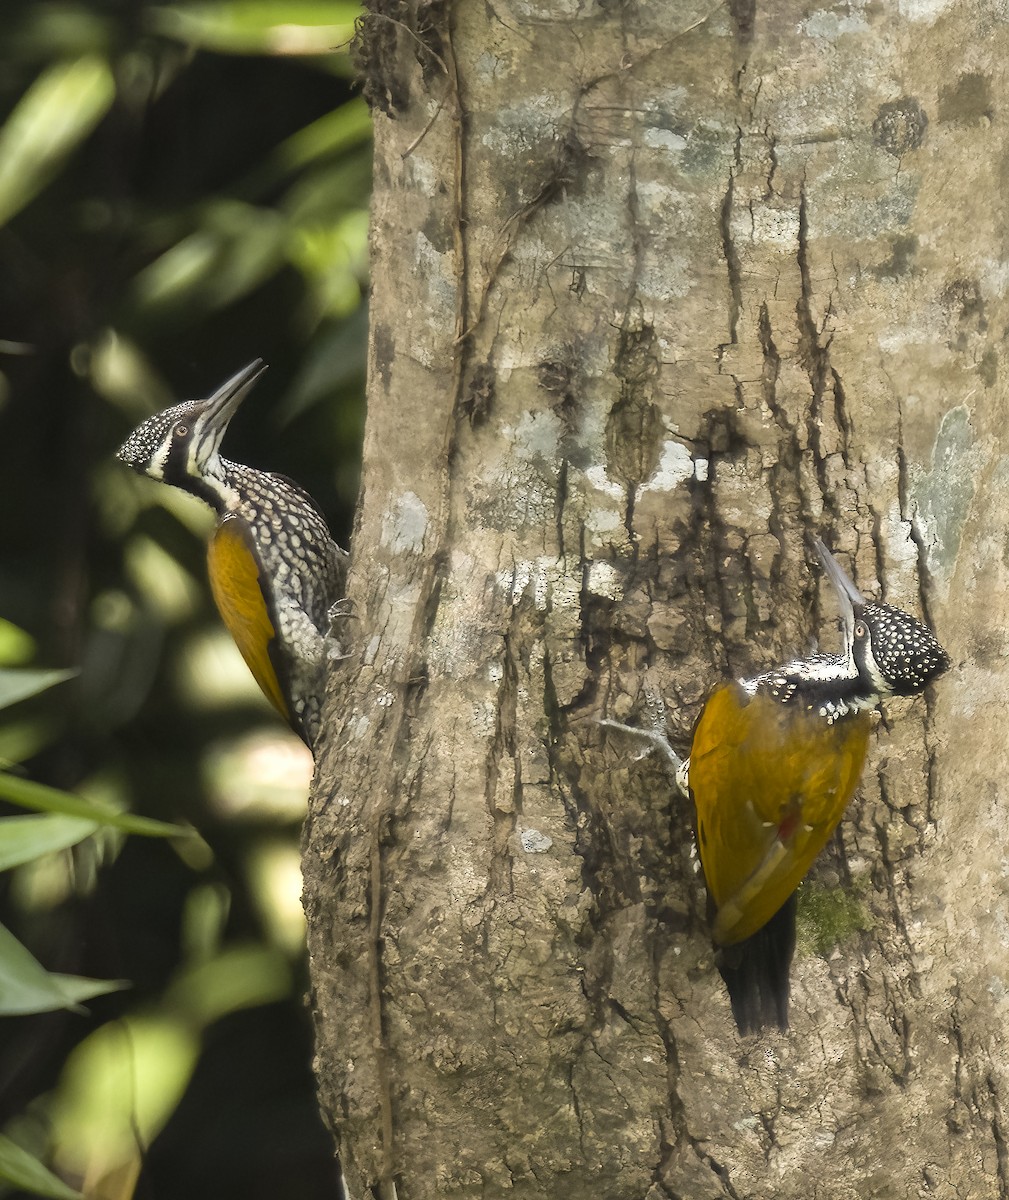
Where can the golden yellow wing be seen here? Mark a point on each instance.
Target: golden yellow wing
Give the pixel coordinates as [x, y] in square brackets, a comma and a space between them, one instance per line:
[770, 784]
[244, 606]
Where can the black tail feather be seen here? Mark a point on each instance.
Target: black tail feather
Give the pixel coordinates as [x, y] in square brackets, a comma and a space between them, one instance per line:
[756, 972]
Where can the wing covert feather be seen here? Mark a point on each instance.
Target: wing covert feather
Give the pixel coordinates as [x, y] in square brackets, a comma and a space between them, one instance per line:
[770, 783]
[246, 609]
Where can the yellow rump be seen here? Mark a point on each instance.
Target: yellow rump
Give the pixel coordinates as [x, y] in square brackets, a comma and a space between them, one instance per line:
[238, 593]
[770, 783]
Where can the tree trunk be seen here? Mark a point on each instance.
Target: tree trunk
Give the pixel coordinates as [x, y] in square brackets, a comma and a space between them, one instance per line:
[660, 290]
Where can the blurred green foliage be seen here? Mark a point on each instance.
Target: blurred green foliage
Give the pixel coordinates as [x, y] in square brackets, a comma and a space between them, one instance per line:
[183, 188]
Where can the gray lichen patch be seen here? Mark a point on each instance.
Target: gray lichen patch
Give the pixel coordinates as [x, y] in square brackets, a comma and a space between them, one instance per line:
[943, 494]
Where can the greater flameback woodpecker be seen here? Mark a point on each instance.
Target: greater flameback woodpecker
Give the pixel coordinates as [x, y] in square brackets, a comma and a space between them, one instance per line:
[773, 762]
[275, 571]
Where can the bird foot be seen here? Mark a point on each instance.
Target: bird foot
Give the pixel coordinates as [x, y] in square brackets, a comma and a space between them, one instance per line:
[656, 740]
[340, 610]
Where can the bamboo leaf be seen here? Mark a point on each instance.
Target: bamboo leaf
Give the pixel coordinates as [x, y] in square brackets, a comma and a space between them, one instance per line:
[21, 683]
[54, 116]
[16, 646]
[27, 794]
[23, 839]
[24, 1171]
[27, 987]
[258, 27]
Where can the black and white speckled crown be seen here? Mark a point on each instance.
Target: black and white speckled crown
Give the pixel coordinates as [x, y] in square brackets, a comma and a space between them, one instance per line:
[140, 450]
[905, 651]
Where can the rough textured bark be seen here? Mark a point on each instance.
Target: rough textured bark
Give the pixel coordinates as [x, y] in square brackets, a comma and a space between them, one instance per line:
[658, 291]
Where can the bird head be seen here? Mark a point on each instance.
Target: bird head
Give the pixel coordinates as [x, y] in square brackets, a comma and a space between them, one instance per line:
[180, 445]
[893, 652]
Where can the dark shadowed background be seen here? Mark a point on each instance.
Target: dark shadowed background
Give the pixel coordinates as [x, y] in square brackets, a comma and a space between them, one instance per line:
[182, 189]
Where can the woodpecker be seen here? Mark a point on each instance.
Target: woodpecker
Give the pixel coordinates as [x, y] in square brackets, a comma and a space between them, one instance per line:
[275, 572]
[774, 760]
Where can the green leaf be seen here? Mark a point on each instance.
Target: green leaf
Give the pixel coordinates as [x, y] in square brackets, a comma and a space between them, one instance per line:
[258, 27]
[23, 839]
[235, 249]
[16, 646]
[336, 355]
[27, 794]
[118, 1089]
[332, 134]
[21, 740]
[330, 137]
[27, 987]
[24, 1171]
[239, 977]
[54, 115]
[19, 684]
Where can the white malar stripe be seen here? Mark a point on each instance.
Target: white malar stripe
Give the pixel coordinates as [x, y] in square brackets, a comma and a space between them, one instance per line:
[156, 467]
[879, 683]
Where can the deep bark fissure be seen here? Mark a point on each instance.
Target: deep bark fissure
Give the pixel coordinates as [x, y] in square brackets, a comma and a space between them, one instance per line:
[499, 880]
[815, 355]
[386, 1188]
[998, 1129]
[732, 263]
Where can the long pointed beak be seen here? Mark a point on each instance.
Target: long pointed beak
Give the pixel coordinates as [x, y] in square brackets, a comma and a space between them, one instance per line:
[219, 408]
[223, 404]
[847, 594]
